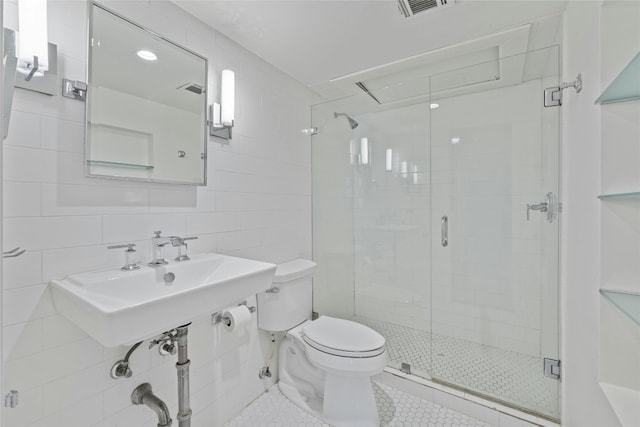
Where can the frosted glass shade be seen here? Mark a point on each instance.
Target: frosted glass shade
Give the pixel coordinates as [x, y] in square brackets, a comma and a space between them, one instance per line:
[364, 151]
[228, 97]
[32, 37]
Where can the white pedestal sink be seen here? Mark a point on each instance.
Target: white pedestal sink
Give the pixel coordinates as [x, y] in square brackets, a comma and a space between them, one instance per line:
[123, 307]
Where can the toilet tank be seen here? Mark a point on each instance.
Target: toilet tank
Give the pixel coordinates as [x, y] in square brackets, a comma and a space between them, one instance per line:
[288, 302]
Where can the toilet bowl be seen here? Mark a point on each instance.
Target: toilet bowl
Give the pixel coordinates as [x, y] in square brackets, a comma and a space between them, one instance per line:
[325, 365]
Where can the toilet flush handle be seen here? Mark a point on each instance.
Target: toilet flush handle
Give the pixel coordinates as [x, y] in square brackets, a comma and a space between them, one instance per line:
[273, 290]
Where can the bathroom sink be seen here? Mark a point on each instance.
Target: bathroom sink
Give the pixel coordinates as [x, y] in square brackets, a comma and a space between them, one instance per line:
[123, 307]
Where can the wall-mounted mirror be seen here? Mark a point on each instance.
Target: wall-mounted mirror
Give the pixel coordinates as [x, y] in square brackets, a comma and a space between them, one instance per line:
[146, 104]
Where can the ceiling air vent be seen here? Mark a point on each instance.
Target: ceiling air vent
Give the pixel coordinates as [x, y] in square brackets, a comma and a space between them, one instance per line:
[408, 8]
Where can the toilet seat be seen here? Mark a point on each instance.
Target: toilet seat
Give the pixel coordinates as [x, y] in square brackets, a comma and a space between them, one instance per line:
[344, 338]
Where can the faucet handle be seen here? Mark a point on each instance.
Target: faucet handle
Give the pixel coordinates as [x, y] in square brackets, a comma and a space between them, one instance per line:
[157, 233]
[129, 253]
[180, 241]
[129, 246]
[182, 249]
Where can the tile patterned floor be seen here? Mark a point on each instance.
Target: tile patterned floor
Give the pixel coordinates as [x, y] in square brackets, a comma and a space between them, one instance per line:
[396, 409]
[505, 375]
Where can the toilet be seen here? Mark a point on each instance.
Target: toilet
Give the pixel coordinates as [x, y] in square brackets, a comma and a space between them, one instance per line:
[325, 365]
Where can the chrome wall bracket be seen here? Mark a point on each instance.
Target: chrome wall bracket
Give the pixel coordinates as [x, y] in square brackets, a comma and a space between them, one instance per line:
[33, 78]
[216, 127]
[74, 89]
[552, 368]
[35, 65]
[553, 95]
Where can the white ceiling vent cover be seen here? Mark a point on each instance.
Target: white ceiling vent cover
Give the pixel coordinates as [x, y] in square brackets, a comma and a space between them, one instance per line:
[408, 8]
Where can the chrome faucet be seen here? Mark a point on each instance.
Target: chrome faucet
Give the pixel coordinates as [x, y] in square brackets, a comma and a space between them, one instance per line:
[179, 242]
[158, 243]
[157, 249]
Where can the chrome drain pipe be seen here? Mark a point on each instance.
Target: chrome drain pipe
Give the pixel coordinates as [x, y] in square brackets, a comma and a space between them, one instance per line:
[184, 411]
[143, 395]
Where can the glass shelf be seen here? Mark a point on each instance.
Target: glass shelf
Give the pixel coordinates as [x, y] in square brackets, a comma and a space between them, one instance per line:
[620, 196]
[625, 87]
[117, 164]
[627, 302]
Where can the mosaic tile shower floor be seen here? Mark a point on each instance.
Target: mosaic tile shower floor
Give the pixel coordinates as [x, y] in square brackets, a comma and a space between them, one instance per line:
[506, 375]
[396, 409]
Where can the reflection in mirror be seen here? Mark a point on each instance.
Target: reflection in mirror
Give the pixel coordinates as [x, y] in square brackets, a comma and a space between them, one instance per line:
[146, 105]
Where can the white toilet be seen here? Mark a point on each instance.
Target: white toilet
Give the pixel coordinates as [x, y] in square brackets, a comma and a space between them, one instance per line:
[325, 365]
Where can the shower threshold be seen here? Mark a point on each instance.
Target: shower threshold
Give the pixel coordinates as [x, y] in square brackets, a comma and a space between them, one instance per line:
[469, 404]
[501, 377]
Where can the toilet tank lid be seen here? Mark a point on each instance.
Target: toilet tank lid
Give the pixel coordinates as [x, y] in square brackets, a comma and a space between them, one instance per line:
[293, 270]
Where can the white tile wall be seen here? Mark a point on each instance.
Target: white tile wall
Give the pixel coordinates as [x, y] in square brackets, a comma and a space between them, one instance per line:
[257, 204]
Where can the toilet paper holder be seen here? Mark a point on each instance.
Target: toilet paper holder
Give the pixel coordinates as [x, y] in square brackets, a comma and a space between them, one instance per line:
[217, 317]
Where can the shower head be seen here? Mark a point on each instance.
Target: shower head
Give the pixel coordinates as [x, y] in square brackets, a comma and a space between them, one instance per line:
[352, 122]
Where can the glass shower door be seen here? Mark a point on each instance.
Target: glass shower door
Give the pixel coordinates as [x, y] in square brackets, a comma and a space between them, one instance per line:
[495, 230]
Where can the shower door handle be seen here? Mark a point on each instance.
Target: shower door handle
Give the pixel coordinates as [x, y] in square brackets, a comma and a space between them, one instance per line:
[444, 223]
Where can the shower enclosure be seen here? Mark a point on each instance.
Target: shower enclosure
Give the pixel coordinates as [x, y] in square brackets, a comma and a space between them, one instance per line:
[436, 222]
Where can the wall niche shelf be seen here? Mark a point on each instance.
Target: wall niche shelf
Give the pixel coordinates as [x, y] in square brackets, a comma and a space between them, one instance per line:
[621, 196]
[627, 302]
[625, 87]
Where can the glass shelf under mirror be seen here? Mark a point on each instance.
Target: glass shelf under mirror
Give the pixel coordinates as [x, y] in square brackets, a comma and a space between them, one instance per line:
[620, 196]
[625, 87]
[627, 302]
[117, 164]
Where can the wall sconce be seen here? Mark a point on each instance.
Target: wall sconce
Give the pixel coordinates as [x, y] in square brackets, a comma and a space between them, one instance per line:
[33, 50]
[388, 160]
[222, 115]
[353, 155]
[364, 151]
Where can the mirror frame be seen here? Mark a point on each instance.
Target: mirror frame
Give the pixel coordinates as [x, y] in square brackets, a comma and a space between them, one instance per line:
[88, 74]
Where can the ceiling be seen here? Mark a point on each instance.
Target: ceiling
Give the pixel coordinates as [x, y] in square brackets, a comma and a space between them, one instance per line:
[320, 41]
